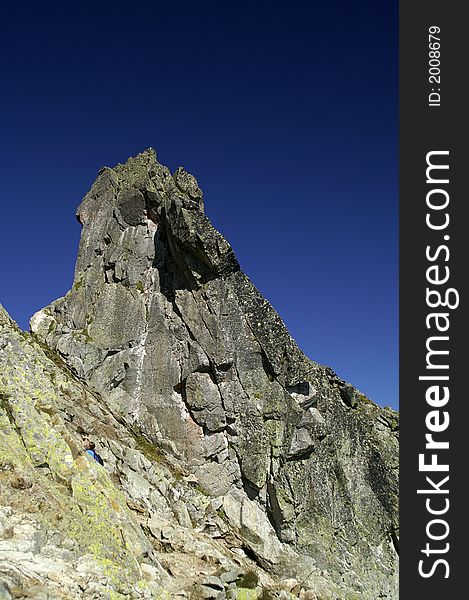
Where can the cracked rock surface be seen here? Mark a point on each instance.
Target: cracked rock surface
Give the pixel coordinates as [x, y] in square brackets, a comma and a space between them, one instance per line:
[222, 440]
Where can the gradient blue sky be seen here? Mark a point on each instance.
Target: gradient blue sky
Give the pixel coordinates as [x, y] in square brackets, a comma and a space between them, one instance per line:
[285, 113]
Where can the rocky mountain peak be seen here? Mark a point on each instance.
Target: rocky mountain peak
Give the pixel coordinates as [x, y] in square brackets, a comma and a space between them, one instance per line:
[185, 354]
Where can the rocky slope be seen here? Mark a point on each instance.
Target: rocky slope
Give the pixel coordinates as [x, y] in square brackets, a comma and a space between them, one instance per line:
[226, 449]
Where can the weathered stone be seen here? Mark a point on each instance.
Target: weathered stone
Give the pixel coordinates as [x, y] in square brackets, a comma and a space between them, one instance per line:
[190, 358]
[231, 575]
[204, 400]
[131, 206]
[5, 592]
[215, 478]
[208, 592]
[251, 523]
[213, 582]
[65, 526]
[64, 523]
[216, 444]
[242, 594]
[301, 443]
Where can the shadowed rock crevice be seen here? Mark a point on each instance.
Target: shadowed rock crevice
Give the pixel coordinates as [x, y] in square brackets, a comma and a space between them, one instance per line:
[380, 482]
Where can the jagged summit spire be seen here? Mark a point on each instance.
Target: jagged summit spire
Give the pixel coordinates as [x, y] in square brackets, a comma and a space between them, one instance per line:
[162, 323]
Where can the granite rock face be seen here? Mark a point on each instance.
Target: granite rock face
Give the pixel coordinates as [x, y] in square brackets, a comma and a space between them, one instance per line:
[186, 354]
[137, 528]
[65, 528]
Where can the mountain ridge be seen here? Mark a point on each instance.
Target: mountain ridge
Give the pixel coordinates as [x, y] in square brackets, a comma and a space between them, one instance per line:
[184, 352]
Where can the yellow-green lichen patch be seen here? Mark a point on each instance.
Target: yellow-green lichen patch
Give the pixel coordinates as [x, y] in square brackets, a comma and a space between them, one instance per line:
[106, 524]
[69, 494]
[36, 429]
[246, 594]
[12, 450]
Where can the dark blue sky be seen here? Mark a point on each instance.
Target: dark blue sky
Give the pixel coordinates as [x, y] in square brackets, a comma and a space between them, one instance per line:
[285, 113]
